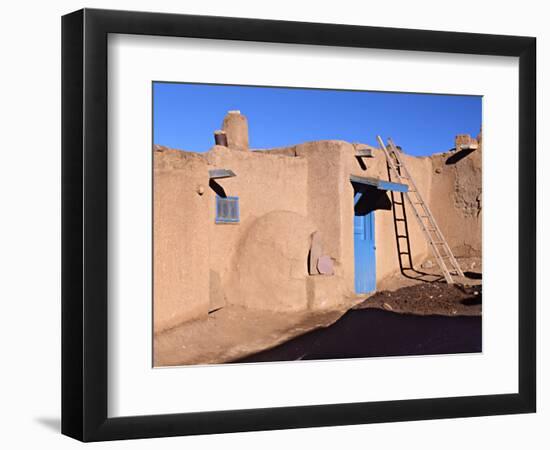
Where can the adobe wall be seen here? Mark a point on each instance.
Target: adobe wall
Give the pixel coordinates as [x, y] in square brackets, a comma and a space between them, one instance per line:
[180, 212]
[269, 270]
[331, 206]
[450, 183]
[264, 183]
[455, 199]
[285, 195]
[329, 203]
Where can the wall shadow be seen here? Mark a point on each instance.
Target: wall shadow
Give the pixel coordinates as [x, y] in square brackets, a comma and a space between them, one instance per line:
[403, 241]
[454, 158]
[371, 199]
[217, 188]
[361, 162]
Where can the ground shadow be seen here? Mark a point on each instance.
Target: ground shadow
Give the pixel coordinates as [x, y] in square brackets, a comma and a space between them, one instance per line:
[367, 333]
[415, 274]
[472, 275]
[472, 301]
[475, 293]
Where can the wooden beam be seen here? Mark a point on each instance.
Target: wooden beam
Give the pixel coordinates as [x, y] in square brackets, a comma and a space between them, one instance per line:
[221, 173]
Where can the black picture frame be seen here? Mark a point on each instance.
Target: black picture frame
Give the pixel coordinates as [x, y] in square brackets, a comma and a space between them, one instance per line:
[84, 224]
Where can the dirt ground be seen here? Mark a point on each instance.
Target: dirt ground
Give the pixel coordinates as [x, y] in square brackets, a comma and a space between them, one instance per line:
[233, 332]
[427, 299]
[428, 272]
[423, 292]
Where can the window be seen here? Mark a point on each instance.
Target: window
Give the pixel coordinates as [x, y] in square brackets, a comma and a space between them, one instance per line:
[227, 209]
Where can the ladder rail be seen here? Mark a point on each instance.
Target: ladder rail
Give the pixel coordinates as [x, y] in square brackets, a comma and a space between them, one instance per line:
[434, 248]
[430, 216]
[396, 164]
[453, 262]
[439, 235]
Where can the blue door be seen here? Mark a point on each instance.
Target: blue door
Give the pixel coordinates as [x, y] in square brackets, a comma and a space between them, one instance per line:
[365, 257]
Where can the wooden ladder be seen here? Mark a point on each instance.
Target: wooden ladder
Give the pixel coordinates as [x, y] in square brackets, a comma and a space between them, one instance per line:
[438, 245]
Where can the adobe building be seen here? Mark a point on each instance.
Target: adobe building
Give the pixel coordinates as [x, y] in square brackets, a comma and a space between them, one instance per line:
[305, 227]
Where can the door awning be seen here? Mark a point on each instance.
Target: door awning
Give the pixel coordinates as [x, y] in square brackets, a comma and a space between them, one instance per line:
[379, 184]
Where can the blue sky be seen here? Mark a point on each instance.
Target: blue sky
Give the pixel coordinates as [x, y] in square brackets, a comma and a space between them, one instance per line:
[185, 116]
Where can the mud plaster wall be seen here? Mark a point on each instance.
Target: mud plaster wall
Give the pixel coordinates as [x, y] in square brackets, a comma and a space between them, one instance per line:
[331, 209]
[271, 271]
[327, 204]
[456, 199]
[181, 289]
[263, 183]
[450, 183]
[286, 194]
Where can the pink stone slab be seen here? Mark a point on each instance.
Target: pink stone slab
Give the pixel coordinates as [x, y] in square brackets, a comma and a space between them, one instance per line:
[325, 265]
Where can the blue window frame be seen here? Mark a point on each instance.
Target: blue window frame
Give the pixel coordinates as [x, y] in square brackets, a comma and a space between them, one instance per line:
[227, 209]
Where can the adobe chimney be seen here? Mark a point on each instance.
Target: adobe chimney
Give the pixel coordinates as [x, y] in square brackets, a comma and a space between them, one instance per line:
[235, 126]
[220, 138]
